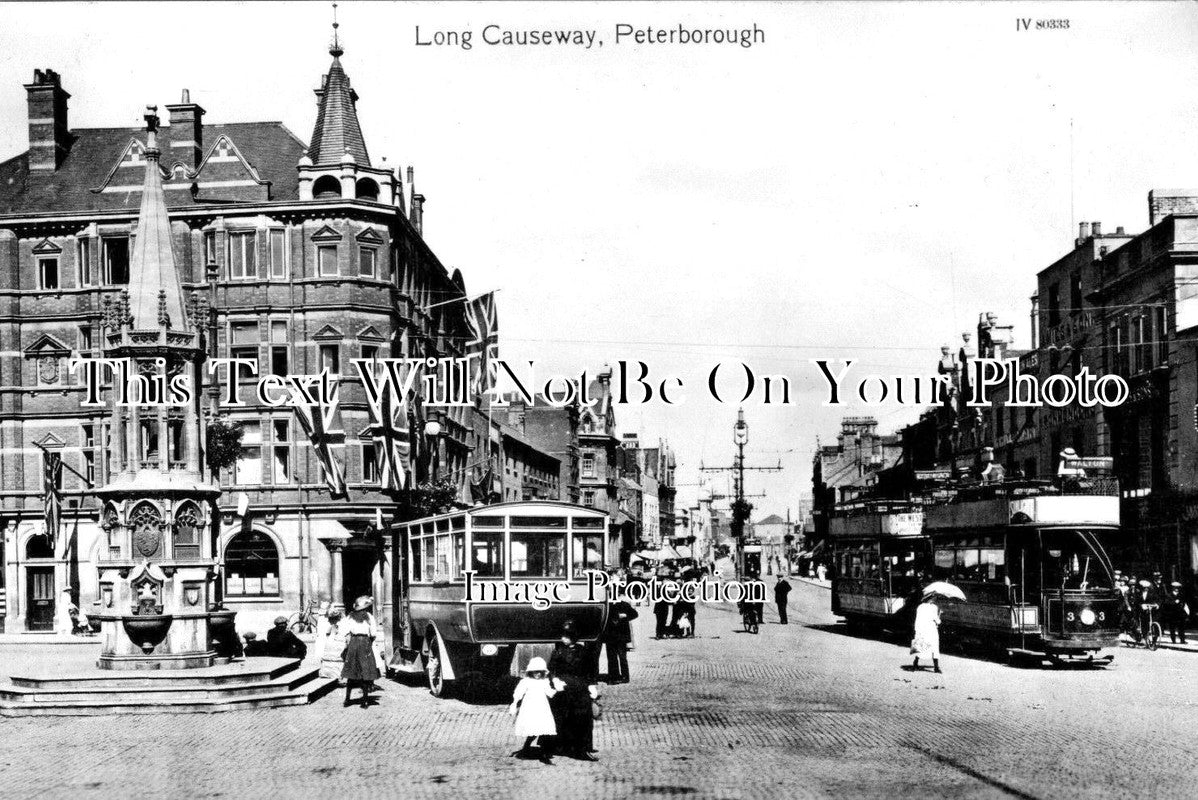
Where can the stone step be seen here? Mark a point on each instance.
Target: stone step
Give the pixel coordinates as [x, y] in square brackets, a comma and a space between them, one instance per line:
[140, 693]
[253, 670]
[301, 693]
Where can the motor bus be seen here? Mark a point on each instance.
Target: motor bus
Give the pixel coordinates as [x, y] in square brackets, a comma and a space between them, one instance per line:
[459, 642]
[1028, 556]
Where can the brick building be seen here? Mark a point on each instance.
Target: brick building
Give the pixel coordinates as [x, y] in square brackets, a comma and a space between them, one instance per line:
[311, 255]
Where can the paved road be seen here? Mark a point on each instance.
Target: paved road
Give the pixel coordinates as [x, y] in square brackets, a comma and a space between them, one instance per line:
[797, 711]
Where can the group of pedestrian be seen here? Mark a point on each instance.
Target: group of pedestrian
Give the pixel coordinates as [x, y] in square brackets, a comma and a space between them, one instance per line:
[676, 620]
[280, 642]
[557, 703]
[1144, 599]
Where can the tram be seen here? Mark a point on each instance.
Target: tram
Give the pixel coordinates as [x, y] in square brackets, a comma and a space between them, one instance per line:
[880, 555]
[1029, 558]
[507, 547]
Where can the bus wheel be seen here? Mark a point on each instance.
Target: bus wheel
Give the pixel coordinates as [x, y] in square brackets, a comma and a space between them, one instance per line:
[437, 684]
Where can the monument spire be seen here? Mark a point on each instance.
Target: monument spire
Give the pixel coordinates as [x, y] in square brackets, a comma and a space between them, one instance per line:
[155, 291]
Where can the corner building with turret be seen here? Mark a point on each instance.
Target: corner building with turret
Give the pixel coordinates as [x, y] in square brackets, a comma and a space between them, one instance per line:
[311, 255]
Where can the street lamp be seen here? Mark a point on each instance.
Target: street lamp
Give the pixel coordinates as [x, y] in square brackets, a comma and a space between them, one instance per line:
[433, 430]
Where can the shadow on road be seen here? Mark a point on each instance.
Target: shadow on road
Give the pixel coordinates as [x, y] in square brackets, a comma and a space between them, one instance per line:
[961, 648]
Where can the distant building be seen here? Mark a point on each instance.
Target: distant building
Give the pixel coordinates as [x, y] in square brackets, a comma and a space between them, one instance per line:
[850, 466]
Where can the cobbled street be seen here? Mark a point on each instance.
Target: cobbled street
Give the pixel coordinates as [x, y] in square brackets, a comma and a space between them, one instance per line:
[803, 710]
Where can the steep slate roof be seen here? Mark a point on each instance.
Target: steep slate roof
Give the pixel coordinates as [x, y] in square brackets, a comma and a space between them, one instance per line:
[269, 147]
[337, 128]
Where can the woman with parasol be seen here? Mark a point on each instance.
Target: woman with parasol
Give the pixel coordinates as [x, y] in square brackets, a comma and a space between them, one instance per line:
[926, 642]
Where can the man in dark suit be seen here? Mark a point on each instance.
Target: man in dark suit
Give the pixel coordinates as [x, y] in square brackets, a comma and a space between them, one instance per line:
[781, 590]
[616, 637]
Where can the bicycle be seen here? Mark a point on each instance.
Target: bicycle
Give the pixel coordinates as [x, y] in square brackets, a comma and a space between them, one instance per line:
[748, 616]
[304, 621]
[1152, 631]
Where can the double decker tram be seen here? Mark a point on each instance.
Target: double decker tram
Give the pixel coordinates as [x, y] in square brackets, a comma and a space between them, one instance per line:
[509, 549]
[1030, 560]
[1028, 557]
[879, 556]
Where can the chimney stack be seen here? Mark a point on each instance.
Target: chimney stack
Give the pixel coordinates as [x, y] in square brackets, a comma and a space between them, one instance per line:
[187, 132]
[1119, 231]
[1163, 202]
[49, 138]
[1083, 231]
[417, 214]
[1096, 228]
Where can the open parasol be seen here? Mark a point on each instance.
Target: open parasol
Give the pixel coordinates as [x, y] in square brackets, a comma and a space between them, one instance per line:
[945, 590]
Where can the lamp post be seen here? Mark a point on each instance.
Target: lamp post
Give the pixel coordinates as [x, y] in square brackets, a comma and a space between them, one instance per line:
[433, 430]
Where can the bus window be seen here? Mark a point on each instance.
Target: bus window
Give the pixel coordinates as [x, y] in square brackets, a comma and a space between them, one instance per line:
[538, 554]
[430, 560]
[459, 554]
[416, 560]
[458, 523]
[587, 522]
[588, 553]
[487, 556]
[487, 522]
[538, 522]
[442, 549]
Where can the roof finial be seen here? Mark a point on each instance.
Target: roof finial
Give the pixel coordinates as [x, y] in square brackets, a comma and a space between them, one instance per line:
[335, 50]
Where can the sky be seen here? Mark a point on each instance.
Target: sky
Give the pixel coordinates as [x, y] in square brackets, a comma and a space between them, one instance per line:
[860, 186]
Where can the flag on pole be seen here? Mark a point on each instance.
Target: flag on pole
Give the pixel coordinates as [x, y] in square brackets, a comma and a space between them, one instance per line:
[317, 421]
[392, 438]
[52, 493]
[483, 321]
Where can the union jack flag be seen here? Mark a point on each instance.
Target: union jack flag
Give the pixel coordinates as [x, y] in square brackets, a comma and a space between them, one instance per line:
[392, 438]
[483, 321]
[52, 494]
[317, 422]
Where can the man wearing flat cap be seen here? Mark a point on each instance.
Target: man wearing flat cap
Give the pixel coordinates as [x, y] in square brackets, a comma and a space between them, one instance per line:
[282, 643]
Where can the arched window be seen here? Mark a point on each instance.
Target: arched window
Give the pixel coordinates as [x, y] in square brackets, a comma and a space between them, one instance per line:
[185, 537]
[251, 566]
[367, 189]
[326, 186]
[39, 547]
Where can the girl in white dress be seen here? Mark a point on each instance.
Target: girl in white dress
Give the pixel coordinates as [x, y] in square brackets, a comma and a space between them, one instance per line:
[926, 643]
[534, 717]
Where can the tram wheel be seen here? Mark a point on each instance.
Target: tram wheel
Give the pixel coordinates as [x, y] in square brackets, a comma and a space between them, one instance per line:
[437, 685]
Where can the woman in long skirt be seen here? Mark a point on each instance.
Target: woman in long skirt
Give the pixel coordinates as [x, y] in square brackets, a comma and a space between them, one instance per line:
[926, 643]
[360, 669]
[572, 669]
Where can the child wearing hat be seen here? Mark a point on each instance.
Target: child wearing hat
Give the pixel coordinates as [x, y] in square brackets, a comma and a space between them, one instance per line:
[534, 718]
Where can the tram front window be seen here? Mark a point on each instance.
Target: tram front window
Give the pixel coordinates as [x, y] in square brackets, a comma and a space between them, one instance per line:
[1074, 560]
[538, 555]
